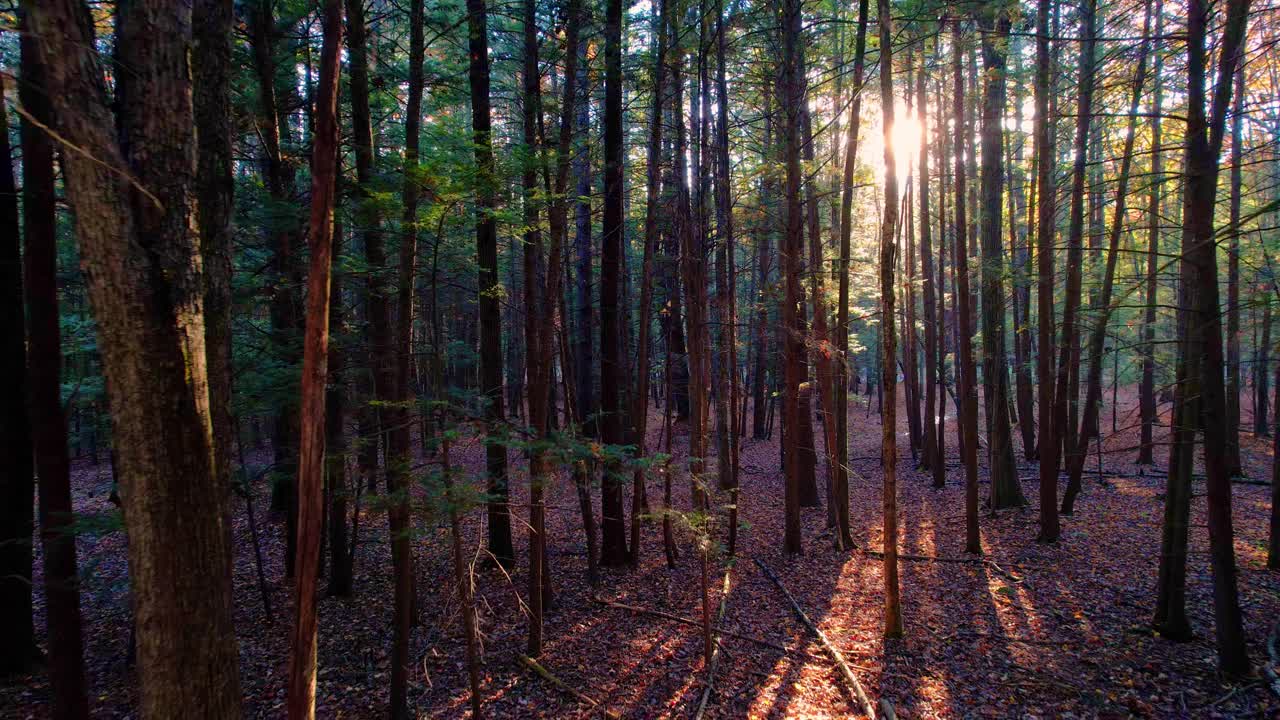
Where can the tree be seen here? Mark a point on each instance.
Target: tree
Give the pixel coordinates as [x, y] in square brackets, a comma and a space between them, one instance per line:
[17, 483]
[1046, 207]
[44, 402]
[315, 372]
[792, 254]
[888, 338]
[613, 548]
[1147, 390]
[933, 458]
[489, 288]
[141, 257]
[968, 378]
[1005, 488]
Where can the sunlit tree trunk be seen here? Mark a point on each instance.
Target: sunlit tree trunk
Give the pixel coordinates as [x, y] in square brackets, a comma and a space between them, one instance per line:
[1046, 208]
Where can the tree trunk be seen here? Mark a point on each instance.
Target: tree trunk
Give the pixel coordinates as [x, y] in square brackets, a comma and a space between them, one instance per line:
[17, 482]
[968, 381]
[1046, 208]
[499, 517]
[613, 548]
[840, 494]
[933, 459]
[315, 370]
[1005, 489]
[1147, 390]
[1204, 323]
[792, 94]
[142, 263]
[211, 79]
[888, 371]
[1065, 395]
[1232, 389]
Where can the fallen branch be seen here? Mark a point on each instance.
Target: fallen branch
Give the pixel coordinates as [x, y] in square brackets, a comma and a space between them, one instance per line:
[546, 675]
[715, 654]
[854, 687]
[690, 621]
[956, 560]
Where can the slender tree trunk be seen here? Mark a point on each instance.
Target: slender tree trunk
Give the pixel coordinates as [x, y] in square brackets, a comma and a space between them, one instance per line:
[1089, 426]
[499, 517]
[17, 482]
[729, 295]
[1273, 543]
[792, 94]
[1261, 408]
[1065, 396]
[613, 549]
[968, 380]
[1147, 390]
[1046, 209]
[142, 262]
[315, 369]
[840, 494]
[888, 371]
[1233, 279]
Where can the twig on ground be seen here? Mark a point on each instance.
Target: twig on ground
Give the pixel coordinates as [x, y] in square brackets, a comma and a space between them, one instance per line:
[851, 680]
[546, 675]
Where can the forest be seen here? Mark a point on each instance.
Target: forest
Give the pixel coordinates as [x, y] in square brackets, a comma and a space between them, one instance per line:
[653, 359]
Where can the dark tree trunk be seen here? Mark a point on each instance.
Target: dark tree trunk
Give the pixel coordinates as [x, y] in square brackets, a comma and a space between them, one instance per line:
[17, 479]
[142, 262]
[968, 377]
[1233, 388]
[933, 458]
[613, 548]
[1046, 208]
[1005, 489]
[499, 517]
[792, 255]
[763, 294]
[48, 422]
[1065, 398]
[279, 176]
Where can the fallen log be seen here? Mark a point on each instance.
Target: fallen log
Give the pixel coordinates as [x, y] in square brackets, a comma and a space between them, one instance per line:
[690, 621]
[546, 675]
[715, 654]
[851, 681]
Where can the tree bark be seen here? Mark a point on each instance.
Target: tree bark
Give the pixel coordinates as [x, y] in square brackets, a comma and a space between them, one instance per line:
[933, 459]
[315, 371]
[1147, 390]
[142, 262]
[1006, 491]
[792, 92]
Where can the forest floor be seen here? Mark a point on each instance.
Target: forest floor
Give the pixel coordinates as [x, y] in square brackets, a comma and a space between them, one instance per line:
[1039, 631]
